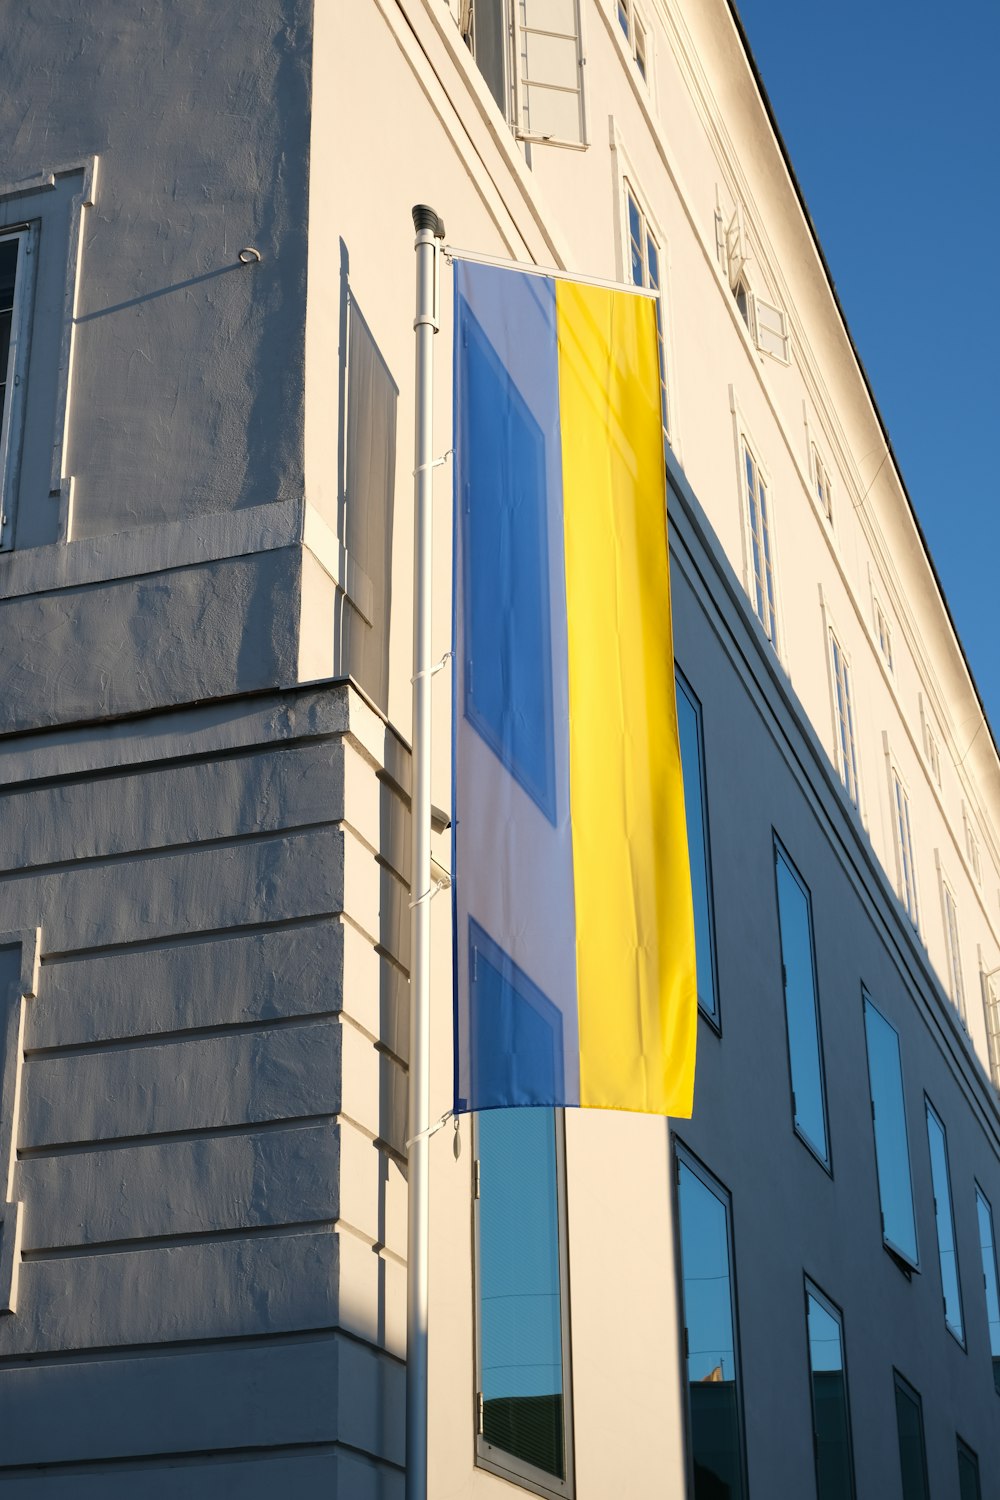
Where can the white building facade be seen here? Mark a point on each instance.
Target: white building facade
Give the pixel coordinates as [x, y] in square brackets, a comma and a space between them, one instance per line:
[206, 266]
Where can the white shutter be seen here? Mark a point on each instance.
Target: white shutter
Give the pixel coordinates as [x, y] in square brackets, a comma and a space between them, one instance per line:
[736, 247]
[549, 64]
[772, 331]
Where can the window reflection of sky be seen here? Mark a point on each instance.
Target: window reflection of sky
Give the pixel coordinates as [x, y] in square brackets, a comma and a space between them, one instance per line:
[891, 1148]
[707, 1298]
[800, 1007]
[691, 766]
[945, 1225]
[519, 1254]
[986, 1245]
[824, 1339]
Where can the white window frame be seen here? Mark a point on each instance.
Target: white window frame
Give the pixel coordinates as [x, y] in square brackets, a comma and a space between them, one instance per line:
[931, 742]
[628, 183]
[16, 373]
[822, 487]
[850, 775]
[635, 25]
[900, 813]
[972, 846]
[745, 444]
[883, 631]
[516, 19]
[765, 321]
[955, 985]
[989, 984]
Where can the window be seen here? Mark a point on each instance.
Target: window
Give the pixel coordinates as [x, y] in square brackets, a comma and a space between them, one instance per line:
[972, 848]
[945, 1220]
[530, 55]
[831, 1416]
[953, 954]
[798, 971]
[765, 321]
[644, 260]
[844, 711]
[906, 868]
[821, 481]
[696, 813]
[15, 249]
[635, 35]
[932, 745]
[883, 634]
[892, 1151]
[761, 547]
[987, 1249]
[522, 1338]
[910, 1429]
[991, 1011]
[711, 1353]
[968, 1473]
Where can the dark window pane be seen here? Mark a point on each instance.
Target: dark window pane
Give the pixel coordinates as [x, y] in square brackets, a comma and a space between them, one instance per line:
[689, 727]
[490, 46]
[8, 276]
[968, 1473]
[947, 1253]
[520, 1327]
[711, 1346]
[984, 1213]
[892, 1152]
[910, 1427]
[831, 1427]
[795, 921]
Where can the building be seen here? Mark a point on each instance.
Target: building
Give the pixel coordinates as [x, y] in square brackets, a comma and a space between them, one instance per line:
[206, 263]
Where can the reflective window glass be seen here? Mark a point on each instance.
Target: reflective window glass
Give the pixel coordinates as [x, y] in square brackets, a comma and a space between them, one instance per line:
[760, 547]
[944, 1218]
[831, 1420]
[968, 1473]
[892, 1151]
[804, 1048]
[984, 1214]
[522, 1379]
[709, 1319]
[692, 765]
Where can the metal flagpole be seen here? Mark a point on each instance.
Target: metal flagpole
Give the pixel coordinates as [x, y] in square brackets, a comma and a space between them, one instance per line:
[430, 233]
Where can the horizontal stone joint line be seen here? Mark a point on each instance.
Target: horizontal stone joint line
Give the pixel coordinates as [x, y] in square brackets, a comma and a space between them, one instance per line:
[142, 1040]
[176, 1241]
[166, 1137]
[187, 938]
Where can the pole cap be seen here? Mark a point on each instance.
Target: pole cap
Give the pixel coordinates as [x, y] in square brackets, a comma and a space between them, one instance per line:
[424, 217]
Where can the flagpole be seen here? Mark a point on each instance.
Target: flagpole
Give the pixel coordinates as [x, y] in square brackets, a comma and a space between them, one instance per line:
[430, 233]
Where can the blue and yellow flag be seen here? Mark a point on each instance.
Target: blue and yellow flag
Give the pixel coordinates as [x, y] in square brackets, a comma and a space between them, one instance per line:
[575, 977]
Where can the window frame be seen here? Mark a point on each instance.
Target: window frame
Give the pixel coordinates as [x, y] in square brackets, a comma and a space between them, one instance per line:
[833, 1311]
[931, 742]
[714, 1018]
[15, 377]
[902, 1385]
[930, 1113]
[988, 982]
[651, 232]
[883, 634]
[967, 1452]
[907, 888]
[821, 482]
[842, 681]
[744, 446]
[780, 852]
[488, 1456]
[635, 24]
[952, 944]
[982, 1198]
[683, 1155]
[899, 1255]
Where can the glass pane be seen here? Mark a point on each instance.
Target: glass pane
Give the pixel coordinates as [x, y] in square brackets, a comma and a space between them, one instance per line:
[689, 727]
[968, 1474]
[520, 1326]
[834, 1468]
[912, 1461]
[795, 922]
[985, 1216]
[8, 276]
[892, 1152]
[711, 1356]
[623, 17]
[945, 1225]
[653, 262]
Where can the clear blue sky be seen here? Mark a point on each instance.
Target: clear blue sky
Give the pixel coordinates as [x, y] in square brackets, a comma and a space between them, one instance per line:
[890, 115]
